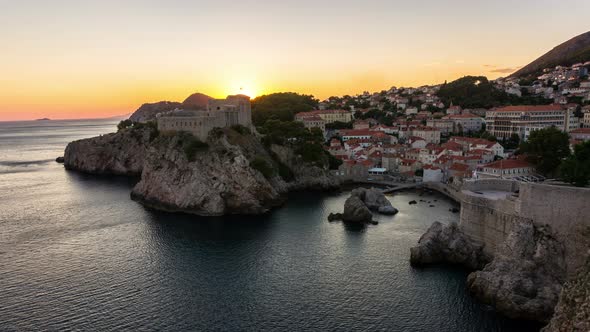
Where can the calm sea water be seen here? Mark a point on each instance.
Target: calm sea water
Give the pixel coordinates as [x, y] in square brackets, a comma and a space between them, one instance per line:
[77, 254]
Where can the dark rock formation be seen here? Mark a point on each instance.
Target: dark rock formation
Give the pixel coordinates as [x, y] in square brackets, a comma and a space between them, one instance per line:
[525, 278]
[355, 210]
[121, 153]
[334, 217]
[572, 312]
[59, 160]
[447, 244]
[412, 202]
[375, 200]
[147, 112]
[362, 201]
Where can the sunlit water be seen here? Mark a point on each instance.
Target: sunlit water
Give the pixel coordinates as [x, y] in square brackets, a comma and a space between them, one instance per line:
[77, 254]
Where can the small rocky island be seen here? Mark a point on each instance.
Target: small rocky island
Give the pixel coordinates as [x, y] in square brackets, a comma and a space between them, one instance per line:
[203, 169]
[359, 205]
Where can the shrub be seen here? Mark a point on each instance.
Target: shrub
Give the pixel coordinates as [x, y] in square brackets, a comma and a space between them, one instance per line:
[124, 124]
[191, 145]
[262, 166]
[243, 130]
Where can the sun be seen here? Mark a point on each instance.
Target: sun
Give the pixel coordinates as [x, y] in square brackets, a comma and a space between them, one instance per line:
[247, 88]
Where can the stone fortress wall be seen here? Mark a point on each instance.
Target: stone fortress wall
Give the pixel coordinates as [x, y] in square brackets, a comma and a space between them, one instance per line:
[220, 113]
[488, 216]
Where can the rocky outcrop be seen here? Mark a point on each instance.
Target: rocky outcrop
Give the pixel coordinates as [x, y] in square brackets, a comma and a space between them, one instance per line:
[232, 173]
[219, 180]
[147, 112]
[355, 210]
[448, 244]
[375, 200]
[306, 176]
[358, 207]
[525, 277]
[121, 153]
[572, 312]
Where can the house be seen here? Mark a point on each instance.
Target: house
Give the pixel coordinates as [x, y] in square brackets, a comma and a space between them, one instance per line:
[429, 134]
[432, 174]
[581, 134]
[360, 124]
[508, 168]
[465, 122]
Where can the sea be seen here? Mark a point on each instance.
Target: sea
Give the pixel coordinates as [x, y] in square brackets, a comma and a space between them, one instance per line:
[77, 254]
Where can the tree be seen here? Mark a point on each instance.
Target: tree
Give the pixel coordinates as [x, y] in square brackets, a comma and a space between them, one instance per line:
[546, 149]
[576, 168]
[124, 124]
[281, 106]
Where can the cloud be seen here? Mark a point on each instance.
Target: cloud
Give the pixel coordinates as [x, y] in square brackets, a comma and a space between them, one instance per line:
[459, 61]
[490, 66]
[504, 70]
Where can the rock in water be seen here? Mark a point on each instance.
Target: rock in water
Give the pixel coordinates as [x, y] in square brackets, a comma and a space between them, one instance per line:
[59, 160]
[525, 278]
[572, 312]
[412, 202]
[356, 211]
[121, 153]
[375, 200]
[447, 244]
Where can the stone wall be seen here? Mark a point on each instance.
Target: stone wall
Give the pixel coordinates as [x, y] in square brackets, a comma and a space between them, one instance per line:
[488, 221]
[565, 209]
[491, 185]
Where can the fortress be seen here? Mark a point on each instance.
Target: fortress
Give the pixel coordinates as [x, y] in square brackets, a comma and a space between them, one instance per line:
[490, 208]
[233, 110]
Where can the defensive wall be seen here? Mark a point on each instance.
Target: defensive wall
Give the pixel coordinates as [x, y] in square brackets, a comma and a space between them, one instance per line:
[491, 207]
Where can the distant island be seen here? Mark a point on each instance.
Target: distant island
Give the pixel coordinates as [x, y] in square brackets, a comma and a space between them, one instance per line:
[43, 119]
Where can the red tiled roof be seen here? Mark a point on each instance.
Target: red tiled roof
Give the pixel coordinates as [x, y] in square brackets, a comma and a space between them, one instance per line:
[508, 164]
[459, 167]
[580, 131]
[530, 108]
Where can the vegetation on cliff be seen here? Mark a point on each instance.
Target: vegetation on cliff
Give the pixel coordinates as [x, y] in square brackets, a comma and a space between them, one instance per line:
[479, 92]
[576, 168]
[280, 106]
[546, 149]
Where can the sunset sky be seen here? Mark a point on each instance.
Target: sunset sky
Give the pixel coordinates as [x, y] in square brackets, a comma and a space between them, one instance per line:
[83, 59]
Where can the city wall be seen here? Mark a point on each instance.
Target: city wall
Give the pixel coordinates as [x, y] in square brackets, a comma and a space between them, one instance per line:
[565, 209]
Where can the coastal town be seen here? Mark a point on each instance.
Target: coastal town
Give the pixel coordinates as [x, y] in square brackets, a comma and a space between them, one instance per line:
[417, 137]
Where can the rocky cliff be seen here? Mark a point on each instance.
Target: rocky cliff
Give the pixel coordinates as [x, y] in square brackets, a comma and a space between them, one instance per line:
[448, 244]
[121, 153]
[231, 173]
[526, 275]
[572, 312]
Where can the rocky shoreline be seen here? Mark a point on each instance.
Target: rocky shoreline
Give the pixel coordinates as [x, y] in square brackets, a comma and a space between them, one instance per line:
[523, 280]
[231, 173]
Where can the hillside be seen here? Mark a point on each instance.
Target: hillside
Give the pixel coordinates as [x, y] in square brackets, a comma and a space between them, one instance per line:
[572, 51]
[197, 101]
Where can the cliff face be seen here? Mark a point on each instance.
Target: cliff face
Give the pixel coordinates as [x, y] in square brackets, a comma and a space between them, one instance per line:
[121, 153]
[572, 313]
[219, 180]
[525, 277]
[231, 173]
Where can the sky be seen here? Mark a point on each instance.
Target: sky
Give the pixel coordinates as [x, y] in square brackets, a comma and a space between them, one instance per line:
[89, 59]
